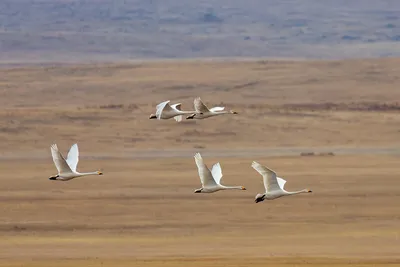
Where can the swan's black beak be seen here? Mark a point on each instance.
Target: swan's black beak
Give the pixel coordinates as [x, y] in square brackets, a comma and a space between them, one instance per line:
[152, 116]
[53, 178]
[258, 200]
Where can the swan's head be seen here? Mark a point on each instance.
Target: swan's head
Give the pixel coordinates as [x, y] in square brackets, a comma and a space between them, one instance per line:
[54, 177]
[308, 190]
[233, 112]
[198, 190]
[153, 116]
[243, 188]
[259, 198]
[99, 173]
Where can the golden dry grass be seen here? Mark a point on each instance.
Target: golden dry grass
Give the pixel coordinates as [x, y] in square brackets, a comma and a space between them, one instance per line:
[238, 83]
[146, 209]
[143, 212]
[281, 104]
[207, 262]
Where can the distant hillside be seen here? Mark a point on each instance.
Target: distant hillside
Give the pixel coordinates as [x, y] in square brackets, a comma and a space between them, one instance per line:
[81, 30]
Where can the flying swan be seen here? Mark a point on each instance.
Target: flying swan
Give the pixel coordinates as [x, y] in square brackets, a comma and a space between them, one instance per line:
[202, 111]
[273, 185]
[166, 111]
[67, 168]
[211, 180]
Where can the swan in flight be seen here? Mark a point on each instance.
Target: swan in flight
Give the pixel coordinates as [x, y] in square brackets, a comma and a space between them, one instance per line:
[67, 168]
[273, 184]
[211, 180]
[202, 111]
[166, 111]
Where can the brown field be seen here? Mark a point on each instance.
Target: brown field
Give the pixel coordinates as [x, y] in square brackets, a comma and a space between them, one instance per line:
[143, 212]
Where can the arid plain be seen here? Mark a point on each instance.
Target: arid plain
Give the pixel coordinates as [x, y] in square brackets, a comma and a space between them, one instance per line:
[143, 212]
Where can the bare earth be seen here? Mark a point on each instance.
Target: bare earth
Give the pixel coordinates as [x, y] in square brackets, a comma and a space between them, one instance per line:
[143, 212]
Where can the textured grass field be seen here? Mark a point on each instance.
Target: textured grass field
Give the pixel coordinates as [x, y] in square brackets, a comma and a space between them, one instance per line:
[143, 212]
[280, 104]
[146, 209]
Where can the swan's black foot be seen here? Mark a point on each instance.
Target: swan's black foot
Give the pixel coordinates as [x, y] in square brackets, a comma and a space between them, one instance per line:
[258, 200]
[53, 177]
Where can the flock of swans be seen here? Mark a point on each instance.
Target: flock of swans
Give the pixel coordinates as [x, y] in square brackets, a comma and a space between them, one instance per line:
[210, 179]
[165, 111]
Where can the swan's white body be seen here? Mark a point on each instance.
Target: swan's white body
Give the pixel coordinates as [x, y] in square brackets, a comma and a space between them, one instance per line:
[202, 111]
[211, 180]
[165, 111]
[274, 186]
[67, 167]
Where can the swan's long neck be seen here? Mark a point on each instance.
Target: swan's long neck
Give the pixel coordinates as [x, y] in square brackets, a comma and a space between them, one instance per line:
[298, 192]
[221, 112]
[232, 187]
[186, 112]
[88, 173]
[225, 112]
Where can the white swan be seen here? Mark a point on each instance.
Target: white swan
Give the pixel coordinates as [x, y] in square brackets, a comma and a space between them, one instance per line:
[166, 111]
[211, 180]
[67, 168]
[202, 111]
[273, 185]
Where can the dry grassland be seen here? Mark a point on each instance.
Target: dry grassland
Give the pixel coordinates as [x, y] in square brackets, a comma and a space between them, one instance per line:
[281, 104]
[146, 209]
[143, 212]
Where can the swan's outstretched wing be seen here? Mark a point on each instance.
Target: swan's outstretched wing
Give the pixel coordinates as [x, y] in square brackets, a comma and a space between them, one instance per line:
[217, 109]
[206, 177]
[177, 106]
[61, 165]
[73, 157]
[269, 177]
[162, 107]
[199, 106]
[216, 172]
[281, 182]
